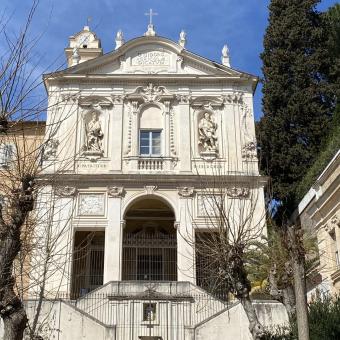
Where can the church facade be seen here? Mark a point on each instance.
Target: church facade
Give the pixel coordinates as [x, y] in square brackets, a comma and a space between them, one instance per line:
[136, 140]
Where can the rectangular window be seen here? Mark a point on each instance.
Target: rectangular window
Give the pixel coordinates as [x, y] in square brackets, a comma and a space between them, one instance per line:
[150, 143]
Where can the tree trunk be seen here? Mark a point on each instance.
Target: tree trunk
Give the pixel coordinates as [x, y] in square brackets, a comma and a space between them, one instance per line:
[301, 301]
[285, 294]
[15, 324]
[297, 258]
[256, 329]
[288, 299]
[242, 288]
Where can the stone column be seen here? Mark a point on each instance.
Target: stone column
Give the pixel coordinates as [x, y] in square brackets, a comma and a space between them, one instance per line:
[113, 236]
[186, 237]
[184, 126]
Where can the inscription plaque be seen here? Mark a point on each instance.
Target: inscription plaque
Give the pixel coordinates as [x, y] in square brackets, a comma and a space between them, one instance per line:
[151, 58]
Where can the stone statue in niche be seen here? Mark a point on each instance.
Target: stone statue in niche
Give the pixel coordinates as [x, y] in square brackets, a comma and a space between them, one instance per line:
[94, 136]
[207, 134]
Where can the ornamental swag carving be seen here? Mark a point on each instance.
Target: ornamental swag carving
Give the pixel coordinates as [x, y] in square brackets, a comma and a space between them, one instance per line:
[238, 192]
[65, 191]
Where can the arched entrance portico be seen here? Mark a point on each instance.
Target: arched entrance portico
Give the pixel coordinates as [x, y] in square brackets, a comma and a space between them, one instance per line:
[149, 241]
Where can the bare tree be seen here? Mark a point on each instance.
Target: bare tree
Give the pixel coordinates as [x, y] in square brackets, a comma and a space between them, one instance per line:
[233, 219]
[25, 143]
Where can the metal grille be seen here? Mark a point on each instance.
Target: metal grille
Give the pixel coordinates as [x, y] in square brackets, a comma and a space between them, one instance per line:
[88, 263]
[207, 269]
[149, 256]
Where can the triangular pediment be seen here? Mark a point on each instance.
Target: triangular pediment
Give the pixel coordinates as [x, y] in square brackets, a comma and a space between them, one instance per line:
[152, 55]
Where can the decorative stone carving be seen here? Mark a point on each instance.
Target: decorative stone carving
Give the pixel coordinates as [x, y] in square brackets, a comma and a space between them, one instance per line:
[186, 192]
[151, 93]
[249, 151]
[119, 39]
[70, 97]
[182, 38]
[50, 149]
[207, 136]
[183, 98]
[91, 205]
[208, 205]
[238, 192]
[65, 191]
[115, 191]
[129, 130]
[150, 189]
[94, 136]
[177, 225]
[95, 102]
[225, 56]
[233, 98]
[117, 98]
[172, 134]
[335, 221]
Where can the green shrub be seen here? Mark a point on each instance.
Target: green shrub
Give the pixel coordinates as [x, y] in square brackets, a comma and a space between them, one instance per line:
[324, 322]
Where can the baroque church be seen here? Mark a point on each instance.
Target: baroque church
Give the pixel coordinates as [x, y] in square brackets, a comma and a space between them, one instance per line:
[135, 140]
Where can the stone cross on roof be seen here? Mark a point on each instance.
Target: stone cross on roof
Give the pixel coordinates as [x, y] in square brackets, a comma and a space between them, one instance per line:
[151, 14]
[151, 30]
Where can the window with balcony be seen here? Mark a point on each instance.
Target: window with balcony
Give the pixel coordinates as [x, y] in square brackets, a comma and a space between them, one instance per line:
[150, 143]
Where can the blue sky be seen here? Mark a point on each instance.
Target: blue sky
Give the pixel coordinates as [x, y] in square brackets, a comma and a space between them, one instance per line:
[209, 25]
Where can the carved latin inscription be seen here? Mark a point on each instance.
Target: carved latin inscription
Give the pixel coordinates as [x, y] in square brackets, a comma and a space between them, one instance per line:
[151, 58]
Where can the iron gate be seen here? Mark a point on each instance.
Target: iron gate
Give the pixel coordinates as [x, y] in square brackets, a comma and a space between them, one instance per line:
[149, 255]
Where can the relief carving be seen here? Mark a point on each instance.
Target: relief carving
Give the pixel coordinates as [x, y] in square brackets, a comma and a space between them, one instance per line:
[183, 98]
[186, 192]
[115, 191]
[150, 189]
[50, 149]
[172, 134]
[151, 93]
[65, 191]
[249, 151]
[91, 204]
[238, 192]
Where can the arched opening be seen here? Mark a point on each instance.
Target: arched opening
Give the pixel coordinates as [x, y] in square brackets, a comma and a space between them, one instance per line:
[149, 242]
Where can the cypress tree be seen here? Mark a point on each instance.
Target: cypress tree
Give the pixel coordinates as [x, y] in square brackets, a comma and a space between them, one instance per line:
[297, 98]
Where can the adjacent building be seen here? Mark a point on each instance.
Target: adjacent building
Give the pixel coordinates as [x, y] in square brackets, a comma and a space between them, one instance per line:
[319, 213]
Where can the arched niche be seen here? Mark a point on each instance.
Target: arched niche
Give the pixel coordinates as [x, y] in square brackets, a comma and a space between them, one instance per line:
[207, 133]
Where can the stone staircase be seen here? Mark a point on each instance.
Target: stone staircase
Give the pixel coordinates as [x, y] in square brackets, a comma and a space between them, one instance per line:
[183, 311]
